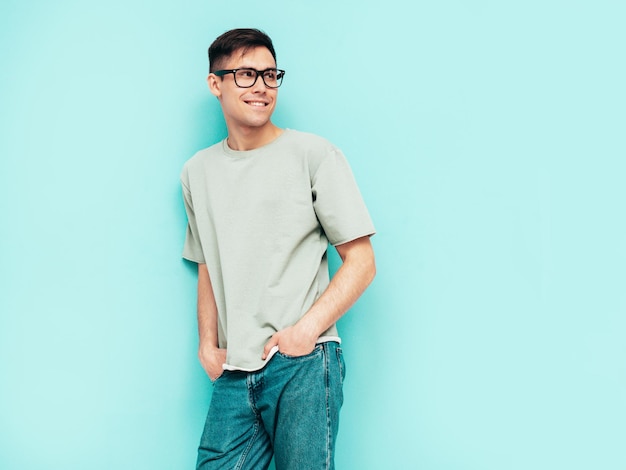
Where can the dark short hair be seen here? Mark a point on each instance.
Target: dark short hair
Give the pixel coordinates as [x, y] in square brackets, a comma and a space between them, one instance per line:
[234, 40]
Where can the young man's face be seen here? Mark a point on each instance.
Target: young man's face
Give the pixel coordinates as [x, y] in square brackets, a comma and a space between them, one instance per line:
[246, 109]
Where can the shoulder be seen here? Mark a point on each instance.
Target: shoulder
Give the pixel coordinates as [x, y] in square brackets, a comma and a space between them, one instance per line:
[308, 141]
[204, 155]
[199, 160]
[313, 148]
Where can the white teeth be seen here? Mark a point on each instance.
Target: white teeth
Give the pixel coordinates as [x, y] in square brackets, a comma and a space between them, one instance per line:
[256, 103]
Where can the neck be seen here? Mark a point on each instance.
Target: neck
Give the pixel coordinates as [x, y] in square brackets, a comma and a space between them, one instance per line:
[252, 138]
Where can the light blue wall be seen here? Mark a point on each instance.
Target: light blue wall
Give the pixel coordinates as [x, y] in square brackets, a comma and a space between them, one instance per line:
[489, 142]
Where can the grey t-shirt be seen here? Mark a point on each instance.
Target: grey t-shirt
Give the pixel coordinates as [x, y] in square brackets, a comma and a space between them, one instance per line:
[261, 220]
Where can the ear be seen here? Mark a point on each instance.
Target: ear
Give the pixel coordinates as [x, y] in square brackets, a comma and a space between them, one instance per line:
[214, 83]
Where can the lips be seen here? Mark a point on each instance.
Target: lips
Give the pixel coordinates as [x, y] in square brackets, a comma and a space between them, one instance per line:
[259, 104]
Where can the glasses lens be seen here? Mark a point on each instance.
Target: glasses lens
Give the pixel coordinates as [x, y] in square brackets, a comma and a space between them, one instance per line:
[245, 77]
[272, 78]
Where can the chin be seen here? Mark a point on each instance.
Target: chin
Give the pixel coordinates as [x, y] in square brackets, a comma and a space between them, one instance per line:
[258, 123]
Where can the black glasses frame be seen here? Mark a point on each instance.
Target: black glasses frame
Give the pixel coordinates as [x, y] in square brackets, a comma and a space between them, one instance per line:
[259, 73]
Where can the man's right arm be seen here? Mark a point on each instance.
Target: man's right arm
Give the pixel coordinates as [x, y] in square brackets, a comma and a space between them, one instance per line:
[211, 356]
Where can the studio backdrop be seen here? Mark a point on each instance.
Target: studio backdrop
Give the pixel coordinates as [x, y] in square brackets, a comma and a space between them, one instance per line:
[488, 139]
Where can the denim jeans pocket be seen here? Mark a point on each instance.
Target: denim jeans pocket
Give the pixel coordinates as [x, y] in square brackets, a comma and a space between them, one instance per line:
[342, 363]
[226, 374]
[317, 351]
[213, 382]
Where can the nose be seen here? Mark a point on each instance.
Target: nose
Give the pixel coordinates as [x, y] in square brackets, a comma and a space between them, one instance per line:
[259, 84]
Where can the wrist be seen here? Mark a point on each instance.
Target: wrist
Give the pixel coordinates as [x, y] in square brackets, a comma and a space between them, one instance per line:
[308, 329]
[207, 346]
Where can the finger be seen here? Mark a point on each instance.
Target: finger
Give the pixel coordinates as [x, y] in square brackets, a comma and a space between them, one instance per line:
[268, 346]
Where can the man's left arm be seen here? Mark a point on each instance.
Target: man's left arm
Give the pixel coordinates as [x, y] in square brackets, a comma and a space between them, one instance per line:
[356, 272]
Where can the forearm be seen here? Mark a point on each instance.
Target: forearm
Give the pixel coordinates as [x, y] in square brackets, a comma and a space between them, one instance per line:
[207, 309]
[211, 357]
[349, 282]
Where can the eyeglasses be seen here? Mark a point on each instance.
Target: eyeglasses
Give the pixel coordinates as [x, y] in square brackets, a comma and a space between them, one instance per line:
[246, 78]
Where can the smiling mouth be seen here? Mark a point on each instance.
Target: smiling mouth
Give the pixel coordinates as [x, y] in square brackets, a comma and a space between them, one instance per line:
[259, 104]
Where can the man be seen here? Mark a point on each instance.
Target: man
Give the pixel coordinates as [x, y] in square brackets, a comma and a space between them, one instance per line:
[262, 206]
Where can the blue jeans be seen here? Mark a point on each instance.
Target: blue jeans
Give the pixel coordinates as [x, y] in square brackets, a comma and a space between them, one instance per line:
[289, 409]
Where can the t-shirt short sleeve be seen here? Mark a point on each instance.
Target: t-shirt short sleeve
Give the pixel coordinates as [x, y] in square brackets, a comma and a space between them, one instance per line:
[192, 249]
[337, 200]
